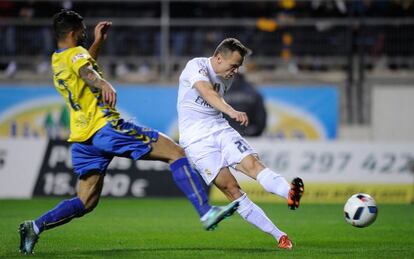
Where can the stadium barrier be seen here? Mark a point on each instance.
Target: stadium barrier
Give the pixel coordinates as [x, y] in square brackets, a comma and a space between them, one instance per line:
[332, 171]
[43, 168]
[20, 161]
[124, 177]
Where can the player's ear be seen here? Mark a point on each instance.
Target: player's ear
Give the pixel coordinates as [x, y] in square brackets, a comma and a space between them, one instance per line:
[70, 34]
[219, 58]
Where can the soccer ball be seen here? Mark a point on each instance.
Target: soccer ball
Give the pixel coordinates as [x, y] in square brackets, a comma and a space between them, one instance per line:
[360, 210]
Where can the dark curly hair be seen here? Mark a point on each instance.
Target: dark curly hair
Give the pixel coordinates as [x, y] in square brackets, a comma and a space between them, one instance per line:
[66, 21]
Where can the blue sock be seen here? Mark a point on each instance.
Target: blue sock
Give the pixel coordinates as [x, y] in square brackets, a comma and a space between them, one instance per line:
[61, 214]
[189, 182]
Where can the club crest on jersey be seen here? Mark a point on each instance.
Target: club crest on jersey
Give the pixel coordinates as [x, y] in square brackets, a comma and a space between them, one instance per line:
[79, 56]
[203, 71]
[208, 172]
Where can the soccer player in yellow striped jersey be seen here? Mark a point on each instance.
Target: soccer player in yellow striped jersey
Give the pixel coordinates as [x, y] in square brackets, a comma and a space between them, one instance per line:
[98, 134]
[88, 110]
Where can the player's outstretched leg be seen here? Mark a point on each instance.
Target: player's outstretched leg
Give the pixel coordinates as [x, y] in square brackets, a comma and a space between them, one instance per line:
[276, 183]
[217, 214]
[90, 186]
[296, 191]
[188, 181]
[28, 237]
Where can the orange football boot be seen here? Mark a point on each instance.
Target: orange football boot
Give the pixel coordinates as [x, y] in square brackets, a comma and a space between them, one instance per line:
[285, 243]
[295, 193]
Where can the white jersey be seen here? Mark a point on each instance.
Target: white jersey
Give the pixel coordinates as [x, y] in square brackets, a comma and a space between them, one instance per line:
[196, 118]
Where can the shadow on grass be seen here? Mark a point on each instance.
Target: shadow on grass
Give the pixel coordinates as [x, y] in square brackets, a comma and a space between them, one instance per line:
[179, 249]
[150, 252]
[201, 249]
[167, 252]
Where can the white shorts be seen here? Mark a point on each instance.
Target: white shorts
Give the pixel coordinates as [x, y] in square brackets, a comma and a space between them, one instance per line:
[221, 149]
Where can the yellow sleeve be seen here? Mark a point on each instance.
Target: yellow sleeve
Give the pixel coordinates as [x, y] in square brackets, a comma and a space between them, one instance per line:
[79, 57]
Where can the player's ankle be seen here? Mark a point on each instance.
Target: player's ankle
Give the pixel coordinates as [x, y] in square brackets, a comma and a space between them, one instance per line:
[36, 229]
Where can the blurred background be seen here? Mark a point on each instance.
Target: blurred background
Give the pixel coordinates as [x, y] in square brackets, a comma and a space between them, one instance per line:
[328, 89]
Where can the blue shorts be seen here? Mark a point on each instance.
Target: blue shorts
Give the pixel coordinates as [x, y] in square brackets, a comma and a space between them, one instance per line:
[124, 140]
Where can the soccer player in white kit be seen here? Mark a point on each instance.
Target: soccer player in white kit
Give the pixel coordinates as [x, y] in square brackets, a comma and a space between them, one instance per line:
[213, 146]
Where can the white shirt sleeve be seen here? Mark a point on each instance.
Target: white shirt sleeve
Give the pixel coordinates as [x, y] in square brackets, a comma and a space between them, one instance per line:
[197, 71]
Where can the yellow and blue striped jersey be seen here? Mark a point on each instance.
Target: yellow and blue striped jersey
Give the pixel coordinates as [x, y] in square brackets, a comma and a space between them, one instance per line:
[88, 112]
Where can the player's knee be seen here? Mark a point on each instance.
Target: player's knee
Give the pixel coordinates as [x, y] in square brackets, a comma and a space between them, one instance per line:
[89, 202]
[256, 165]
[177, 153]
[90, 206]
[231, 190]
[253, 166]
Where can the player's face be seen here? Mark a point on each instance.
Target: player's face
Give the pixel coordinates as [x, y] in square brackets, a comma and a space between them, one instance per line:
[229, 64]
[80, 36]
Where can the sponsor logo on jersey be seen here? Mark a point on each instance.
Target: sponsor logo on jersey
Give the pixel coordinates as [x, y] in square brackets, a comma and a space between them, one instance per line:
[79, 56]
[201, 101]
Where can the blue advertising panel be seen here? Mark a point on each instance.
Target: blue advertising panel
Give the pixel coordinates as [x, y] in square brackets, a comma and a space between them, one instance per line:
[293, 112]
[307, 112]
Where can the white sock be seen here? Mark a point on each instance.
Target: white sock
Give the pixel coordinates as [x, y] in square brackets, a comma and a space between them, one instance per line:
[35, 228]
[205, 216]
[273, 182]
[256, 216]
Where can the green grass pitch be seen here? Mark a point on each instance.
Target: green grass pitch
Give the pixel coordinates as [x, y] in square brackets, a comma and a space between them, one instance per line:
[169, 228]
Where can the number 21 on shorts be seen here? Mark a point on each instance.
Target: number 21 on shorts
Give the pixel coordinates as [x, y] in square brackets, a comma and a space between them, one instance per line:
[241, 145]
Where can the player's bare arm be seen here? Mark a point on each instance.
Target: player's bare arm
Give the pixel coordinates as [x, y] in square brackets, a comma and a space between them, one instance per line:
[101, 34]
[92, 78]
[206, 91]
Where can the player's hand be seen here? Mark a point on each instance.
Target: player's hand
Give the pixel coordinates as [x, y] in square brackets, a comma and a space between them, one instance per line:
[109, 94]
[240, 117]
[101, 30]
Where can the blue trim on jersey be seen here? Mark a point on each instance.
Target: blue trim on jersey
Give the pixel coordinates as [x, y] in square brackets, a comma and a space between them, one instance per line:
[74, 105]
[60, 50]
